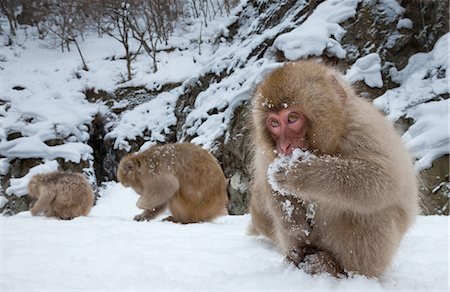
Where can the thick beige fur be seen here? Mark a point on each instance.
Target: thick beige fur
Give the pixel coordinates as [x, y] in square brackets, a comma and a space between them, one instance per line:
[362, 186]
[61, 194]
[183, 177]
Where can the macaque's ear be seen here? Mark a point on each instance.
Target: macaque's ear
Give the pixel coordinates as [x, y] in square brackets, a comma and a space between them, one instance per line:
[338, 85]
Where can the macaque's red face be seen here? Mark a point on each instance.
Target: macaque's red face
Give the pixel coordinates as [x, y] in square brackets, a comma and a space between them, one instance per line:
[288, 129]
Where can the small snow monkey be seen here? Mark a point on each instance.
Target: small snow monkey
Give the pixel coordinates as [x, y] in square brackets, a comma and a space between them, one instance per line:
[60, 194]
[333, 187]
[183, 177]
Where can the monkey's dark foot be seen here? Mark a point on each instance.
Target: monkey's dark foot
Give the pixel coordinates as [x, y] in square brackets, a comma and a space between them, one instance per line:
[180, 220]
[174, 220]
[141, 217]
[170, 219]
[322, 262]
[297, 254]
[149, 214]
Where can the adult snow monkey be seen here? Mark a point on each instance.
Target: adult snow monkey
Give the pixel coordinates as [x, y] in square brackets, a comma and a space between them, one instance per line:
[183, 177]
[344, 201]
[60, 194]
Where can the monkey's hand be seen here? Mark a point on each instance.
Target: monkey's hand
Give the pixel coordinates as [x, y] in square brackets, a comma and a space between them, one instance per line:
[283, 173]
[141, 217]
[347, 183]
[149, 214]
[146, 215]
[285, 180]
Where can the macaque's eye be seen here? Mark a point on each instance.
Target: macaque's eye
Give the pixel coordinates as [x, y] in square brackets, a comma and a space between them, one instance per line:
[292, 118]
[274, 123]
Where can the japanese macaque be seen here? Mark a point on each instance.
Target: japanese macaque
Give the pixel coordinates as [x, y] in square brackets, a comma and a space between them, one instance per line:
[183, 177]
[59, 194]
[333, 186]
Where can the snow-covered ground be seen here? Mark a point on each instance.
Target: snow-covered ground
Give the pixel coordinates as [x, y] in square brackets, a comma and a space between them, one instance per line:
[108, 251]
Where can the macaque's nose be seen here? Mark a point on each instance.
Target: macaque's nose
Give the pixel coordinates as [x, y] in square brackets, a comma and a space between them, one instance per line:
[285, 148]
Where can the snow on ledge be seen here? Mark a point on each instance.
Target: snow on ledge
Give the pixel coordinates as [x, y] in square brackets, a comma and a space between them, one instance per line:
[33, 147]
[368, 69]
[428, 138]
[319, 32]
[4, 166]
[404, 23]
[424, 78]
[3, 201]
[156, 115]
[420, 81]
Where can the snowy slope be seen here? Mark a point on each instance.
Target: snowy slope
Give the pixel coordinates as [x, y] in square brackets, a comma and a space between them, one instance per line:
[108, 251]
[422, 81]
[42, 97]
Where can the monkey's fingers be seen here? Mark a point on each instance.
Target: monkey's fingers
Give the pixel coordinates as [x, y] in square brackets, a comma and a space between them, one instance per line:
[296, 256]
[287, 174]
[286, 181]
[141, 217]
[280, 176]
[322, 262]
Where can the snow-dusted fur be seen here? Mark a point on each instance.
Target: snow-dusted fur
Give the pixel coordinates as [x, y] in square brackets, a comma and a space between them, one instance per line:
[184, 177]
[360, 181]
[61, 194]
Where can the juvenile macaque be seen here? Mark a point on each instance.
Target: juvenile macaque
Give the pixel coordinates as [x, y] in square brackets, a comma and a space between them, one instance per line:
[183, 177]
[61, 194]
[333, 187]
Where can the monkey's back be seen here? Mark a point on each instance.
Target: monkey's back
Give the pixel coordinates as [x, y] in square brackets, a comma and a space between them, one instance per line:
[202, 193]
[385, 146]
[379, 232]
[73, 196]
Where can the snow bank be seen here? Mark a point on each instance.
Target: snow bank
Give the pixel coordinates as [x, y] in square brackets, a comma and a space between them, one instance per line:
[368, 69]
[42, 101]
[116, 202]
[109, 251]
[3, 201]
[404, 23]
[33, 147]
[4, 166]
[391, 9]
[428, 138]
[424, 78]
[319, 32]
[157, 116]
